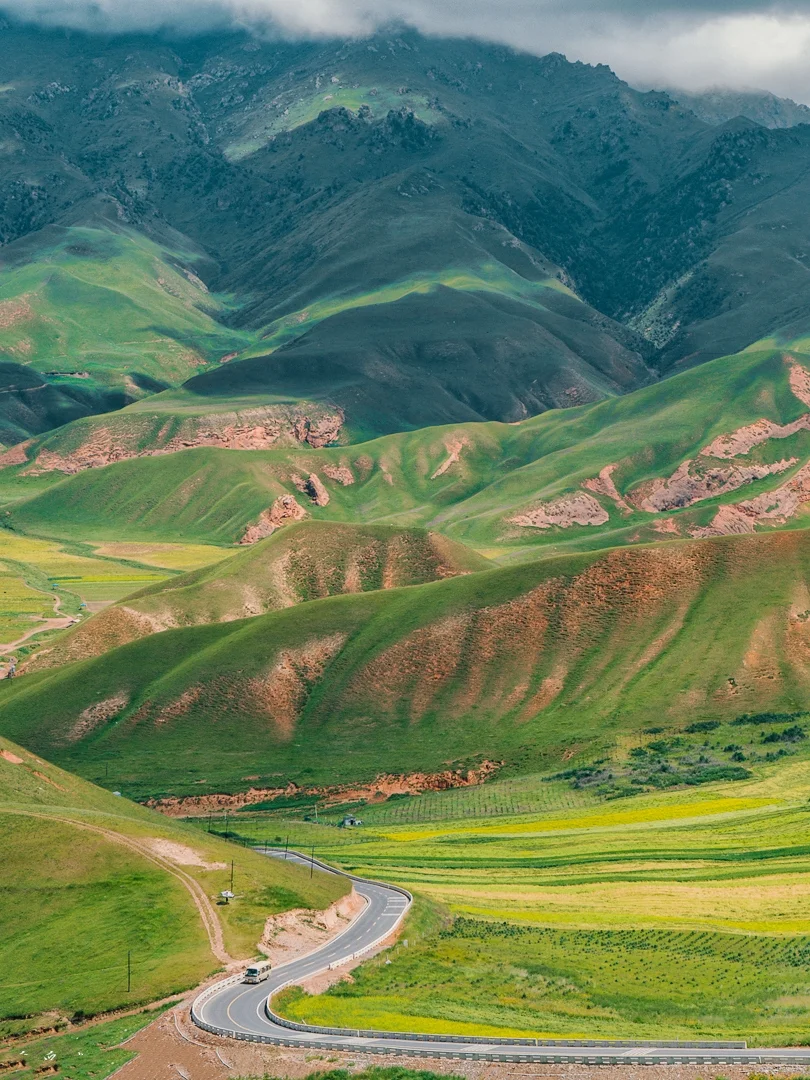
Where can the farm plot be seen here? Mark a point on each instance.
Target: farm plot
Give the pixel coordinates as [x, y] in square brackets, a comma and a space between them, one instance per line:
[680, 914]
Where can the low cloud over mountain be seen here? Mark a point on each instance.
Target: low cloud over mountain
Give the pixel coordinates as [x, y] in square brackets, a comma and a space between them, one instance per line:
[692, 43]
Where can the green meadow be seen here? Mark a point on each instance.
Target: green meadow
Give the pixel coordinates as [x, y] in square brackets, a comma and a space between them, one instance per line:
[289, 112]
[92, 303]
[96, 894]
[680, 914]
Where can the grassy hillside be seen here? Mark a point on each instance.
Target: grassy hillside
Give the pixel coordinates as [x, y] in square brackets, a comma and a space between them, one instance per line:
[538, 664]
[91, 877]
[588, 470]
[677, 914]
[102, 315]
[305, 561]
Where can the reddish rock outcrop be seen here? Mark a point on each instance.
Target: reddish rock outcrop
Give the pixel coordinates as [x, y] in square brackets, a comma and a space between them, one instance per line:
[122, 437]
[694, 481]
[341, 474]
[317, 492]
[565, 511]
[286, 508]
[603, 484]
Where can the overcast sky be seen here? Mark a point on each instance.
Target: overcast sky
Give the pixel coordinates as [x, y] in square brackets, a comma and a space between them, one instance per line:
[689, 43]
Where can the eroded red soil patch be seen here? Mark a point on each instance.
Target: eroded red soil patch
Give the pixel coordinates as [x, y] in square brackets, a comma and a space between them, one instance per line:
[375, 791]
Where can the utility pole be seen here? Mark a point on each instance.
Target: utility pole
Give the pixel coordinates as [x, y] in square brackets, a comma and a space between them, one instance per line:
[286, 845]
[231, 875]
[210, 816]
[226, 823]
[129, 971]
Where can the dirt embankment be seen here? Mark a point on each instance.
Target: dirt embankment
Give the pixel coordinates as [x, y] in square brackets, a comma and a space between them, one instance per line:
[129, 436]
[603, 484]
[771, 508]
[300, 931]
[454, 446]
[694, 481]
[376, 791]
[170, 1049]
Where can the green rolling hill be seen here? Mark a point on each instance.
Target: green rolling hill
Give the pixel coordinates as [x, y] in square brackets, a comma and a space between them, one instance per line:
[306, 561]
[91, 877]
[534, 665]
[489, 377]
[567, 479]
[103, 316]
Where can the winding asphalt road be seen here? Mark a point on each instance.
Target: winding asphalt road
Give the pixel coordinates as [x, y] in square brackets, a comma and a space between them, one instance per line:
[238, 1010]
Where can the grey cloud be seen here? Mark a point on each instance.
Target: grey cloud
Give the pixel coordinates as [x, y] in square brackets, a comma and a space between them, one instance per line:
[692, 43]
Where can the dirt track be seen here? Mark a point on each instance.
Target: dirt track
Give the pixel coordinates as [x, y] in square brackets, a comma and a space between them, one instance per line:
[204, 906]
[58, 623]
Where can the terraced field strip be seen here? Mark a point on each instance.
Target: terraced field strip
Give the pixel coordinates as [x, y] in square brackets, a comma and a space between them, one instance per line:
[182, 557]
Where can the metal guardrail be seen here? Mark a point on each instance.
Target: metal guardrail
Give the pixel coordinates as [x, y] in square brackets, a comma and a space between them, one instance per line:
[749, 1058]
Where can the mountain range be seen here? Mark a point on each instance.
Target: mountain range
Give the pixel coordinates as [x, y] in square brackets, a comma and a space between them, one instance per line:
[459, 356]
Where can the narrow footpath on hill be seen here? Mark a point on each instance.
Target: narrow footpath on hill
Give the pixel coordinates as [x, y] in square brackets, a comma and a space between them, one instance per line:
[57, 623]
[206, 909]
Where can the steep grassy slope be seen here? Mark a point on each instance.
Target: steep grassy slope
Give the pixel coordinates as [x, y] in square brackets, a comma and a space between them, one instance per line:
[487, 345]
[534, 664]
[99, 316]
[386, 213]
[305, 561]
[697, 444]
[90, 877]
[154, 138]
[33, 403]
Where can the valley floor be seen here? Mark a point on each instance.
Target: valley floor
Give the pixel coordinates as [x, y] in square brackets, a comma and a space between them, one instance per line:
[679, 914]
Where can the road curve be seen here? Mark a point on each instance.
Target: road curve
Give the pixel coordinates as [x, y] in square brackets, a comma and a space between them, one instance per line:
[237, 1010]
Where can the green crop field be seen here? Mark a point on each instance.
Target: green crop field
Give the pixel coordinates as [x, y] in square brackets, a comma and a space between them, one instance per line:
[181, 557]
[678, 915]
[45, 579]
[92, 878]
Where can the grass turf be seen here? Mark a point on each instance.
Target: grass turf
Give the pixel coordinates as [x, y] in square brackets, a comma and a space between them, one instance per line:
[78, 900]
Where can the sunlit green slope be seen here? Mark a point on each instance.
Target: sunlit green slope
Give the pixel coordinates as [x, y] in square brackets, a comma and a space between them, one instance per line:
[91, 877]
[535, 665]
[568, 479]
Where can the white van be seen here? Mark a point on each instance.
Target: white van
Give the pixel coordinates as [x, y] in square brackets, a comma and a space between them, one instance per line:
[257, 973]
